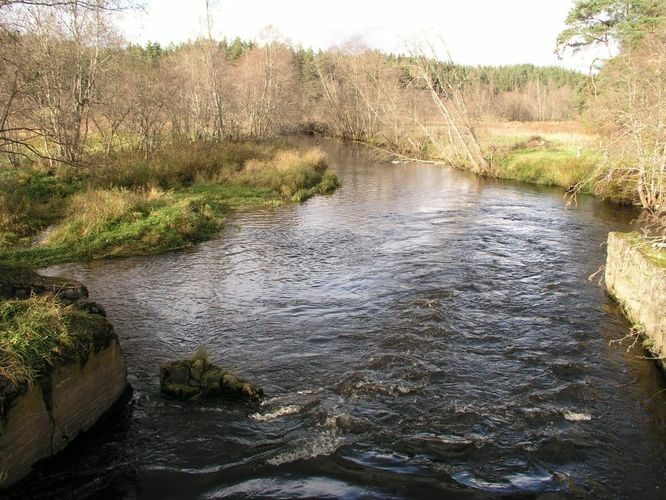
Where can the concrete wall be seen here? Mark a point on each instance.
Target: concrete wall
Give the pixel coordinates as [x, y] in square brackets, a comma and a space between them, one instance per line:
[639, 285]
[39, 425]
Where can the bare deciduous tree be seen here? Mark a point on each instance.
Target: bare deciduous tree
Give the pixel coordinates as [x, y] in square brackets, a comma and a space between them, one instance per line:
[630, 109]
[267, 84]
[446, 89]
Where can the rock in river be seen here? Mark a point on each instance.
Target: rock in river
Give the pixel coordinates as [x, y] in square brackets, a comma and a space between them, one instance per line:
[196, 377]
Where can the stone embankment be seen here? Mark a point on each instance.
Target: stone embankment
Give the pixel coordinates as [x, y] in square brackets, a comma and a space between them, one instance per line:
[636, 278]
[39, 420]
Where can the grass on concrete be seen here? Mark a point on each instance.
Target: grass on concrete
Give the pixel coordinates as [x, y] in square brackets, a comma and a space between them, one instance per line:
[37, 332]
[653, 251]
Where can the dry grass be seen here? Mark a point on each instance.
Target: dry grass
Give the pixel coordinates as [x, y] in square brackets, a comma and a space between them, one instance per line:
[569, 133]
[91, 210]
[32, 334]
[291, 173]
[180, 165]
[287, 160]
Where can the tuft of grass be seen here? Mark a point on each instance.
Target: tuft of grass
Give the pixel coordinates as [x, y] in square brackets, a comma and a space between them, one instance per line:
[37, 332]
[201, 354]
[31, 332]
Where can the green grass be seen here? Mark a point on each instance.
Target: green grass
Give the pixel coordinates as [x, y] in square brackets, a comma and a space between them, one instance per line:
[36, 333]
[33, 197]
[153, 205]
[553, 165]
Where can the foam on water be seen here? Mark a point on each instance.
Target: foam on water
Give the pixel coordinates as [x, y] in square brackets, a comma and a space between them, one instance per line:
[323, 444]
[572, 416]
[279, 412]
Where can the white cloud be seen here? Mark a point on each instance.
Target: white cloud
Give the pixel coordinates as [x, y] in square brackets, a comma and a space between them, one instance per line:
[476, 31]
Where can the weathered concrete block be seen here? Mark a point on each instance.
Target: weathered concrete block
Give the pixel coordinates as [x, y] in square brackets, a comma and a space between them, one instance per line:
[36, 427]
[26, 437]
[82, 394]
[638, 283]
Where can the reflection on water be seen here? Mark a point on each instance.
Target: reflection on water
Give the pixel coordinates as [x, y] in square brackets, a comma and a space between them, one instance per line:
[421, 332]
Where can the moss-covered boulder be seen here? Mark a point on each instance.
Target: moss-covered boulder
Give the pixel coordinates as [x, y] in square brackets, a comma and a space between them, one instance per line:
[196, 377]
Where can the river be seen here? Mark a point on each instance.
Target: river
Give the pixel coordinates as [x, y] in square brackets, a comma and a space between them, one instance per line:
[422, 332]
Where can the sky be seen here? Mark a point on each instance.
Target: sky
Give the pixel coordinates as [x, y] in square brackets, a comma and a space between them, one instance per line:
[488, 32]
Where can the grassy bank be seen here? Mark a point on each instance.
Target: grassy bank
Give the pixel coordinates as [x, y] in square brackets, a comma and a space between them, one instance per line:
[129, 204]
[38, 332]
[548, 153]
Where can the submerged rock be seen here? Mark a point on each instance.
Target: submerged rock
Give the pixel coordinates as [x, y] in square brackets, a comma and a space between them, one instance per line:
[196, 377]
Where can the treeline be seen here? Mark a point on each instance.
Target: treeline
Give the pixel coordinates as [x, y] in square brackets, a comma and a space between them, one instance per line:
[69, 84]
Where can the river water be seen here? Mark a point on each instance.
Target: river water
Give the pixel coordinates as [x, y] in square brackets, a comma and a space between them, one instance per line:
[422, 332]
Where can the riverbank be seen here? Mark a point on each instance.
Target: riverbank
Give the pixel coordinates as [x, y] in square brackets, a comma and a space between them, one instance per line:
[132, 205]
[546, 153]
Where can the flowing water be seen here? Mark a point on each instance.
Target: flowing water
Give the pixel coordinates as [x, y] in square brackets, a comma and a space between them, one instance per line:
[422, 332]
